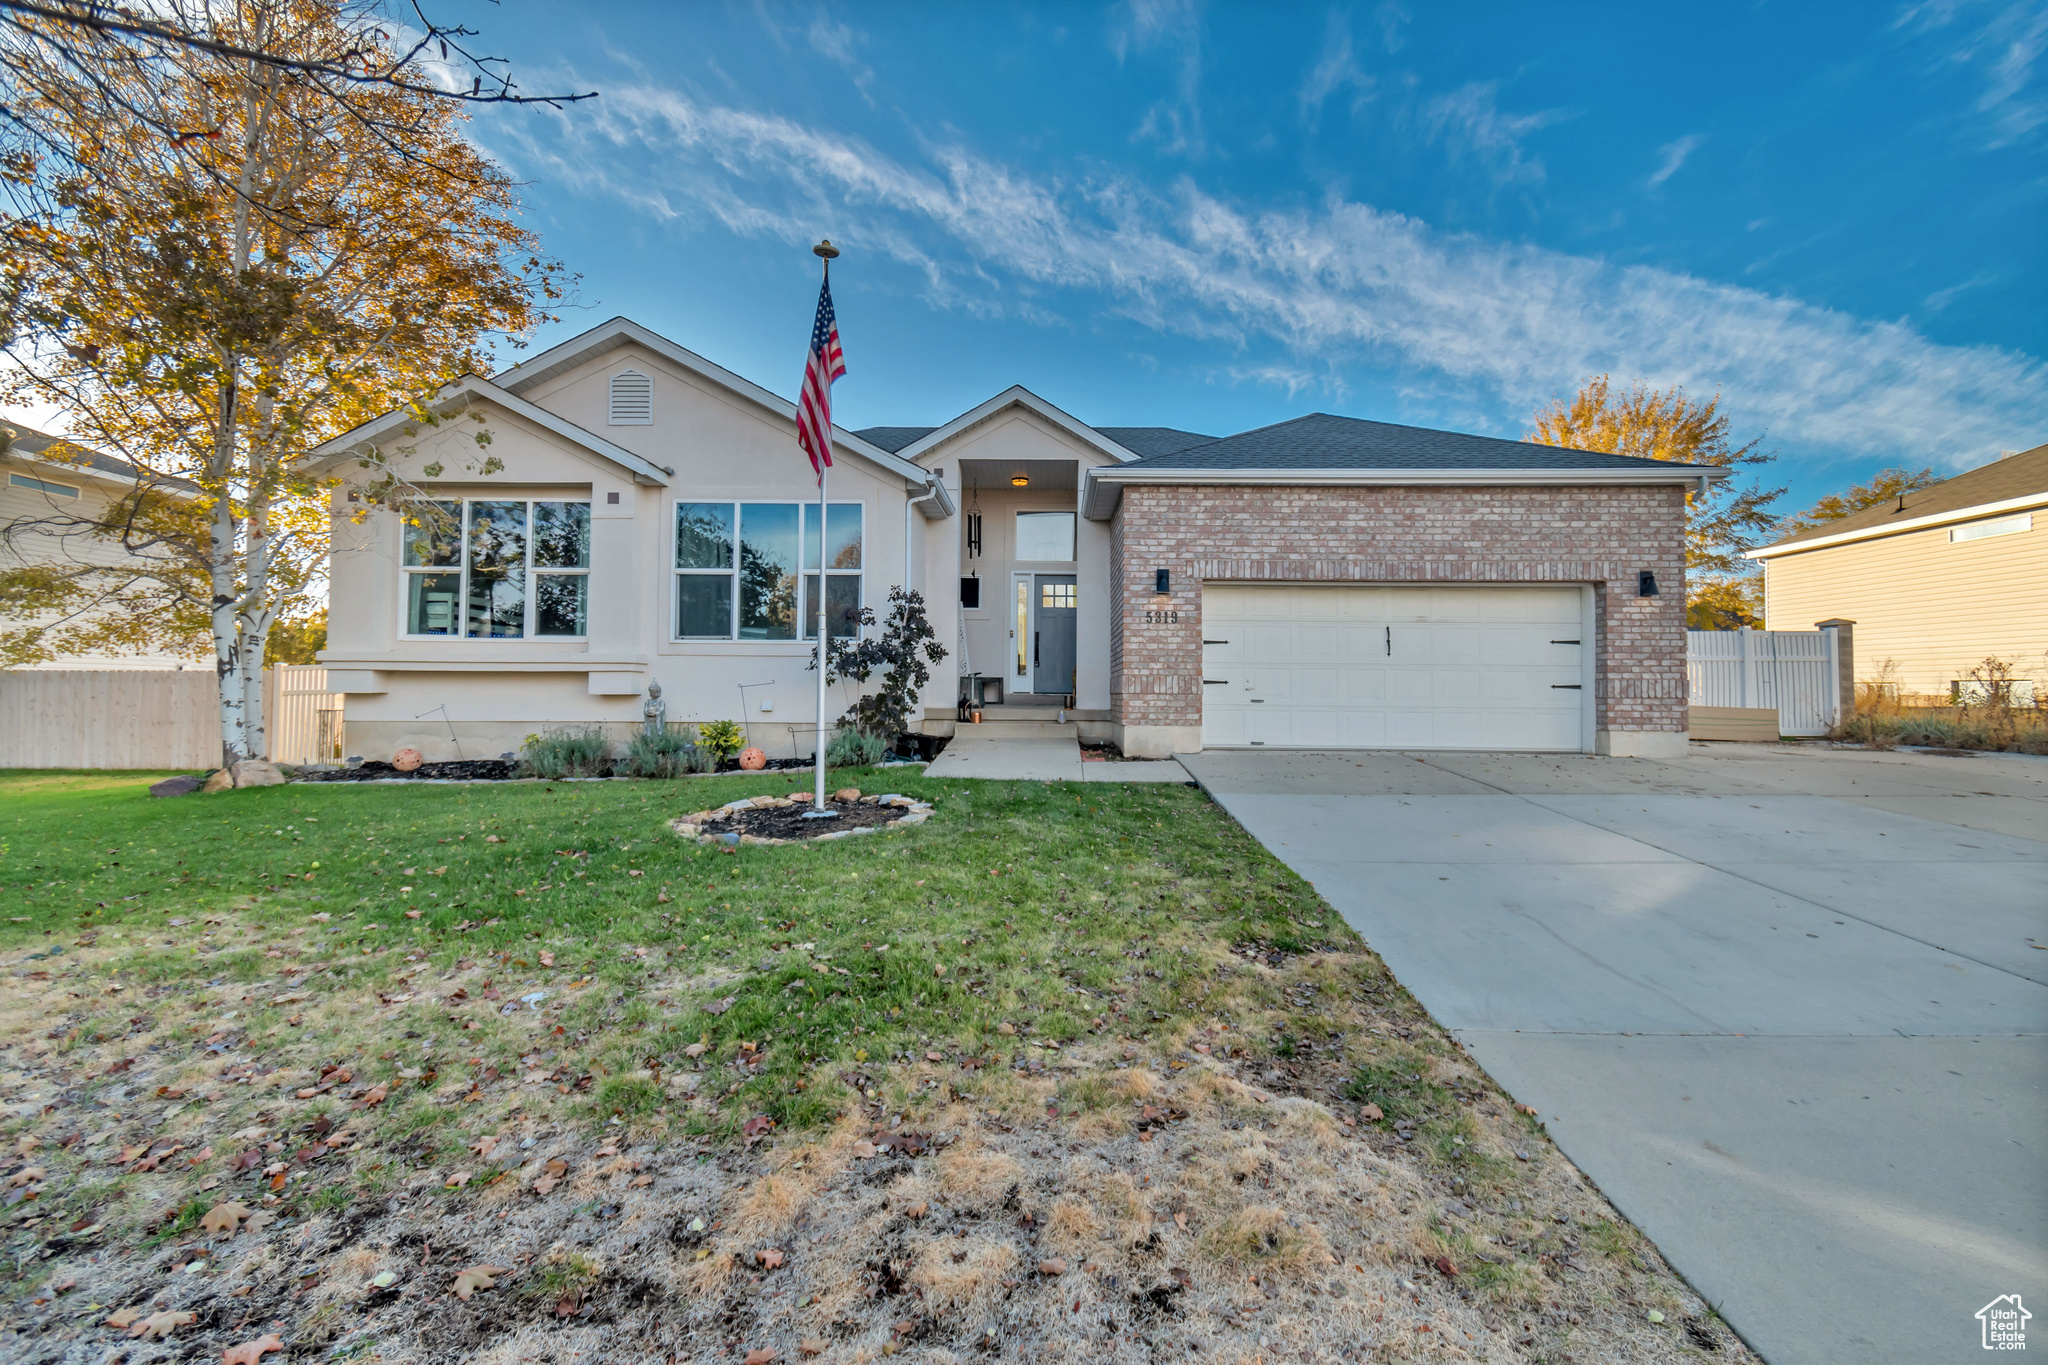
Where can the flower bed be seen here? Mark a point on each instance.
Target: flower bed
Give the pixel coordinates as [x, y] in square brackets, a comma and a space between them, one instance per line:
[781, 820]
[456, 770]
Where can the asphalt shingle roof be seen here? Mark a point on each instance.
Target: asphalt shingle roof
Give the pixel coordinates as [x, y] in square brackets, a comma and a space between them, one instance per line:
[2015, 476]
[893, 439]
[1321, 441]
[1148, 441]
[36, 445]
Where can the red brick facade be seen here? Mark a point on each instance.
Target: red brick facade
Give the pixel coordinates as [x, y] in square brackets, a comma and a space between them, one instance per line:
[1493, 534]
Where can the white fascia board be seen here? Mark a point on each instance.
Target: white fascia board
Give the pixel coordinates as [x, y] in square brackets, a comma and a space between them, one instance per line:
[1104, 486]
[1020, 397]
[468, 389]
[1982, 509]
[937, 502]
[609, 336]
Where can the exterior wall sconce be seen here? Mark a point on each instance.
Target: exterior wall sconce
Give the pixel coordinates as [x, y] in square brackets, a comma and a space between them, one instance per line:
[1019, 481]
[1646, 583]
[1162, 580]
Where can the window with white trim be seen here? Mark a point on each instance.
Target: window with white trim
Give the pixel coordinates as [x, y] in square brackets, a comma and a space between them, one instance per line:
[1996, 526]
[497, 569]
[632, 399]
[737, 570]
[60, 490]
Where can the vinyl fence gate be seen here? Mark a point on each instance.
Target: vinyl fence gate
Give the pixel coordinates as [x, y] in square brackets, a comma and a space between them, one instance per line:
[1793, 672]
[303, 718]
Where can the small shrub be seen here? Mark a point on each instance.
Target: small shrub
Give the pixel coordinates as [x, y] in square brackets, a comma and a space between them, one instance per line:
[566, 751]
[851, 748]
[721, 738]
[669, 754]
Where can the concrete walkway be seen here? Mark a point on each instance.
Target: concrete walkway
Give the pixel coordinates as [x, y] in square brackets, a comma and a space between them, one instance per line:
[1040, 758]
[1786, 1005]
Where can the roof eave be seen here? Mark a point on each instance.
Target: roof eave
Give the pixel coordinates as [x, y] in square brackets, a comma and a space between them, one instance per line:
[1103, 486]
[1933, 519]
[1017, 396]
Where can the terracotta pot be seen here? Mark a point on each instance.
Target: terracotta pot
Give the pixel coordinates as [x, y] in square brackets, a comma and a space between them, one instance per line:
[753, 760]
[405, 760]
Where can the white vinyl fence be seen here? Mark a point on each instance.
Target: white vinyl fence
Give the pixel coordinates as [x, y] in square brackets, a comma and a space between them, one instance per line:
[1793, 672]
[303, 718]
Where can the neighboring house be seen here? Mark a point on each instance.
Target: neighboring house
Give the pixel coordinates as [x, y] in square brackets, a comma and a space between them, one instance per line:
[45, 481]
[1936, 581]
[1322, 583]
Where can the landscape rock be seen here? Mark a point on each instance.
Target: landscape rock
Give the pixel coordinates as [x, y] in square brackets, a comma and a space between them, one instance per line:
[255, 772]
[175, 786]
[219, 780]
[846, 795]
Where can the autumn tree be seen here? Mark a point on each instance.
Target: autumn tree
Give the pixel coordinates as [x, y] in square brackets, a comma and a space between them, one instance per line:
[1887, 485]
[219, 253]
[1728, 518]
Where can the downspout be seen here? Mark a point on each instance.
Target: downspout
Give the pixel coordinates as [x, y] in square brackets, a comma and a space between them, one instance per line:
[932, 489]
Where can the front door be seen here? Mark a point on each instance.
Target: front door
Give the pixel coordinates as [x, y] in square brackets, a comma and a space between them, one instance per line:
[1052, 634]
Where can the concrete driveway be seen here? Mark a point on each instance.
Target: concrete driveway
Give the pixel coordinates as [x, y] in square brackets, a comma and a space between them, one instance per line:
[1786, 1005]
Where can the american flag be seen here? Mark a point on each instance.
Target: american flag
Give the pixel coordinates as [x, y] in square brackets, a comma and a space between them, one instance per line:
[825, 363]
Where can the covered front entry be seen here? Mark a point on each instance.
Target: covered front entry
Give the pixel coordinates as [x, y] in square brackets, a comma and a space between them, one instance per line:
[1396, 667]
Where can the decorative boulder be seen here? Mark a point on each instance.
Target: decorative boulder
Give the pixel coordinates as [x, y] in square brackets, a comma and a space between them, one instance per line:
[254, 772]
[405, 760]
[753, 760]
[175, 786]
[219, 780]
[846, 795]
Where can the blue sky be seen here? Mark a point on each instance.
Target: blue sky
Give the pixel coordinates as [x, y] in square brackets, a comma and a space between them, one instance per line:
[1216, 216]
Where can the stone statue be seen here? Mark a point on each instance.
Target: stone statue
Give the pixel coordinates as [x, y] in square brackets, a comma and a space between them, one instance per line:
[656, 711]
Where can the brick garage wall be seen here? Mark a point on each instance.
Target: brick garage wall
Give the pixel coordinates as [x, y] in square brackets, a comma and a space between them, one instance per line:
[1499, 534]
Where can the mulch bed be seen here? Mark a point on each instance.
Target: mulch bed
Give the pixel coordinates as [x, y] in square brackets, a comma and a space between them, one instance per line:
[787, 822]
[463, 770]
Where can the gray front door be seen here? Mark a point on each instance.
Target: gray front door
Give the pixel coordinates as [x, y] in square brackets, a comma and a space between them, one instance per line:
[1052, 634]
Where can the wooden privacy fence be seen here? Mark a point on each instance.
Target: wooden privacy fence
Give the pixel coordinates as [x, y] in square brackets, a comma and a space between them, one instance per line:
[1793, 672]
[109, 718]
[302, 717]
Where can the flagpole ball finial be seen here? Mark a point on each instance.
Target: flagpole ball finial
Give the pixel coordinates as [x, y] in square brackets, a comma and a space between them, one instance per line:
[825, 249]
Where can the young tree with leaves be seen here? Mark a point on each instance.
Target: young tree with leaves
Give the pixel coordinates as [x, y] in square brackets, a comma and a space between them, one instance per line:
[1887, 485]
[1666, 424]
[908, 645]
[213, 262]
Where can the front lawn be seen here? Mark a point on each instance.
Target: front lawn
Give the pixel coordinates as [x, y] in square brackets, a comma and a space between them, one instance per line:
[1065, 1046]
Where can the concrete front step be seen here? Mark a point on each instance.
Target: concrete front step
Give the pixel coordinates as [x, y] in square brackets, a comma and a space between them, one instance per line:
[1009, 712]
[1018, 729]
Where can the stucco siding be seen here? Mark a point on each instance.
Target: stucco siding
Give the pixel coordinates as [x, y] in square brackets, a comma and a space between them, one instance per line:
[1933, 607]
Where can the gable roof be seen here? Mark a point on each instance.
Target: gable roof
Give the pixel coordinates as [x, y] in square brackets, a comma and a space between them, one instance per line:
[1017, 396]
[1145, 442]
[2009, 484]
[620, 331]
[470, 388]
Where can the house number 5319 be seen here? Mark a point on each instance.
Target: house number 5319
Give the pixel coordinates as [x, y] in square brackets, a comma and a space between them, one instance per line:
[1162, 618]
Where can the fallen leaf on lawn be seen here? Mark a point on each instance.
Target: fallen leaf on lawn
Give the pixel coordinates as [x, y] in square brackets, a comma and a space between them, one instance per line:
[557, 1167]
[1444, 1266]
[760, 1356]
[935, 1056]
[374, 1096]
[485, 1145]
[919, 1209]
[28, 1177]
[292, 999]
[547, 959]
[545, 1184]
[1528, 1109]
[251, 1352]
[769, 1257]
[477, 1277]
[695, 1050]
[123, 1317]
[1006, 1028]
[413, 914]
[1181, 1277]
[813, 1346]
[1372, 1112]
[224, 1217]
[27, 1143]
[258, 1220]
[384, 1279]
[863, 1149]
[757, 1126]
[1180, 1220]
[456, 1180]
[161, 1325]
[64, 1285]
[642, 1180]
[1052, 1265]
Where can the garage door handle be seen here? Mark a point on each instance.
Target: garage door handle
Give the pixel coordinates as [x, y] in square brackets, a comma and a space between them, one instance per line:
[1215, 682]
[1215, 642]
[1564, 687]
[1564, 642]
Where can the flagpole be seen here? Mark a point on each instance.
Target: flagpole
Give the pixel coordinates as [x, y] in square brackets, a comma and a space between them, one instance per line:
[825, 251]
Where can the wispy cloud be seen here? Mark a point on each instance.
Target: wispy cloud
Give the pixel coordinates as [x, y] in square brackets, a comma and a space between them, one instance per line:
[1322, 291]
[1335, 69]
[1175, 27]
[839, 43]
[1674, 154]
[2003, 41]
[1469, 123]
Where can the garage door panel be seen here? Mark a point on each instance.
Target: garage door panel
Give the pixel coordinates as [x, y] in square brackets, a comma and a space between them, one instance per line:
[1468, 668]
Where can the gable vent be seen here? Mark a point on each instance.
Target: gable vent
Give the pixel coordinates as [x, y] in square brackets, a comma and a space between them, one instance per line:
[632, 399]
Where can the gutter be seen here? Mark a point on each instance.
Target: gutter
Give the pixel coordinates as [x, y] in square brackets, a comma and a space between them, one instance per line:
[1102, 486]
[1981, 510]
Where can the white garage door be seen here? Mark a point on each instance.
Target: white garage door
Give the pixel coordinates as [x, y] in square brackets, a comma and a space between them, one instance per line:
[1393, 668]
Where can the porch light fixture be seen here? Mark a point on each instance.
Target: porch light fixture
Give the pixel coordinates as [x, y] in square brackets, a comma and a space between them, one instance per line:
[1646, 583]
[1019, 481]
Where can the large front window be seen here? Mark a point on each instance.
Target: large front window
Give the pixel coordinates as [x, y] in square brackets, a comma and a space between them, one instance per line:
[497, 569]
[737, 574]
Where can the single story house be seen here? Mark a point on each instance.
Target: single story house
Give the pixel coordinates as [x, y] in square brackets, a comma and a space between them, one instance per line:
[1323, 583]
[1936, 581]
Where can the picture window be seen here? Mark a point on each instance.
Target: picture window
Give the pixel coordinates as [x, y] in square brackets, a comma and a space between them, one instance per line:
[738, 578]
[497, 569]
